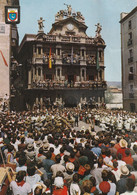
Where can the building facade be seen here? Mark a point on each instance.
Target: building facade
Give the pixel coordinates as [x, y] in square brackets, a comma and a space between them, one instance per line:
[64, 66]
[8, 49]
[129, 59]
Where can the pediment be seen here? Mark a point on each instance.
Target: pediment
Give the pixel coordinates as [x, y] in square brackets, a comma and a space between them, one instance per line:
[69, 26]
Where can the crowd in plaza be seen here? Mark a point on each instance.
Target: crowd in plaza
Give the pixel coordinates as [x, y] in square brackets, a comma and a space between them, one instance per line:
[45, 154]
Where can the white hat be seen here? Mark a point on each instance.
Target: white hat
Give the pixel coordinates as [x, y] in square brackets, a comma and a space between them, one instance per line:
[124, 170]
[70, 167]
[123, 143]
[58, 182]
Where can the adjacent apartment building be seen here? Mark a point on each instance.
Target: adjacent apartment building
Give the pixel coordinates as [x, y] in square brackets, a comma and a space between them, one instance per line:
[8, 48]
[129, 59]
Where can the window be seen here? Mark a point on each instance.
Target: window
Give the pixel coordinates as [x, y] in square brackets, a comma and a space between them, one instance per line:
[91, 77]
[39, 50]
[83, 71]
[100, 54]
[132, 107]
[131, 70]
[130, 35]
[58, 72]
[100, 74]
[83, 51]
[129, 24]
[130, 53]
[58, 51]
[131, 88]
[34, 48]
[39, 71]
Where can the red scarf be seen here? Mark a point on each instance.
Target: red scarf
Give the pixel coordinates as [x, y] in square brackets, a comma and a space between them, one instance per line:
[39, 155]
[21, 183]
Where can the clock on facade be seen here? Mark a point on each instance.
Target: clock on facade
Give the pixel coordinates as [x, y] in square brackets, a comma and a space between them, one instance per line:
[70, 26]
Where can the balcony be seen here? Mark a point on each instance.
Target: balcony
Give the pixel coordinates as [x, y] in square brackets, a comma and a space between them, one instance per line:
[130, 42]
[130, 60]
[63, 38]
[131, 95]
[51, 85]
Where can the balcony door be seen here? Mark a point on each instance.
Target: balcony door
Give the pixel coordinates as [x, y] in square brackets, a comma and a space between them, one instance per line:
[70, 78]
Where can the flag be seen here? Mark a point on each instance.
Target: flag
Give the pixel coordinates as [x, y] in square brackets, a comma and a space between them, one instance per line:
[72, 55]
[97, 60]
[50, 64]
[5, 62]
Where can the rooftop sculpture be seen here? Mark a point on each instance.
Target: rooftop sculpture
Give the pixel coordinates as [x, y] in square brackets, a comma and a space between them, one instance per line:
[41, 25]
[62, 14]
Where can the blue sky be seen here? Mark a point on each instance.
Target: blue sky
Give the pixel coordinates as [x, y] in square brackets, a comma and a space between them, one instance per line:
[106, 12]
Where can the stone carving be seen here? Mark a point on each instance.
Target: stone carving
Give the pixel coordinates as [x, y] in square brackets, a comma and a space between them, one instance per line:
[40, 23]
[79, 16]
[69, 13]
[69, 9]
[99, 28]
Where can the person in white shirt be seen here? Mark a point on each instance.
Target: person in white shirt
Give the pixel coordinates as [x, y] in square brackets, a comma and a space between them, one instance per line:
[19, 186]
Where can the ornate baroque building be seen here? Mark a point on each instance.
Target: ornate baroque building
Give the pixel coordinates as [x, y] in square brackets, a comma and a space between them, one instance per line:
[65, 65]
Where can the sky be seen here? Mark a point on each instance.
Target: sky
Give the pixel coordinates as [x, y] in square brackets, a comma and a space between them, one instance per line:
[105, 12]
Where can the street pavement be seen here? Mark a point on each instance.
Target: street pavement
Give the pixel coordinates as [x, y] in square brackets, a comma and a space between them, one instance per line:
[81, 124]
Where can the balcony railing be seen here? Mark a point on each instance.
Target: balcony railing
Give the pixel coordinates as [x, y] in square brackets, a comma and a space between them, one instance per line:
[64, 85]
[130, 42]
[130, 59]
[76, 39]
[131, 95]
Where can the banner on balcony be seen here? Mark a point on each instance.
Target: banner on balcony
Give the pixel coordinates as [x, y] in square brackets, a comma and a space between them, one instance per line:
[50, 62]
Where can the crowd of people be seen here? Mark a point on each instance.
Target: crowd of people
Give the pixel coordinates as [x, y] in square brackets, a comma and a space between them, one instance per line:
[47, 83]
[44, 153]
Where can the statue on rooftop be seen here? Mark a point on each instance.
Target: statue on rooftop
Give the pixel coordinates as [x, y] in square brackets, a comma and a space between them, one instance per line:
[69, 9]
[80, 16]
[99, 28]
[40, 23]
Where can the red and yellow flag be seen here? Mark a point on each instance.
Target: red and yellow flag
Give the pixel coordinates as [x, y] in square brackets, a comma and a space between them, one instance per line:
[50, 64]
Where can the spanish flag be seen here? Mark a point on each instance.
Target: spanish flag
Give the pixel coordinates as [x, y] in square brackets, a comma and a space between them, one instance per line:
[50, 64]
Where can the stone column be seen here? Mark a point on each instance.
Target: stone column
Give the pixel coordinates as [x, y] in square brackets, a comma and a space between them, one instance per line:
[36, 73]
[102, 75]
[37, 50]
[41, 74]
[80, 74]
[34, 48]
[29, 79]
[34, 76]
[56, 73]
[61, 72]
[37, 100]
[102, 99]
[85, 75]
[41, 102]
